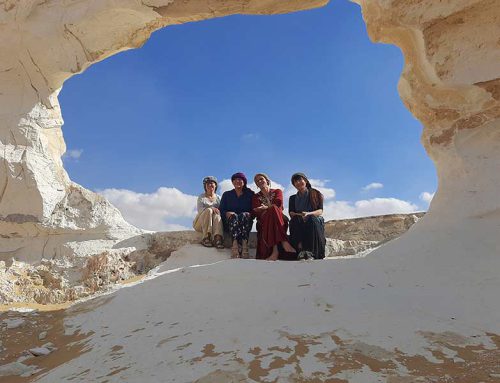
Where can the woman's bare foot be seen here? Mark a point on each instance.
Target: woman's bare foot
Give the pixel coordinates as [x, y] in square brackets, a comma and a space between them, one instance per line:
[287, 247]
[244, 250]
[235, 251]
[274, 255]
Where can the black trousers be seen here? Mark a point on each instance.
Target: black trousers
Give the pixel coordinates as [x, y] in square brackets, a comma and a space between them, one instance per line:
[311, 233]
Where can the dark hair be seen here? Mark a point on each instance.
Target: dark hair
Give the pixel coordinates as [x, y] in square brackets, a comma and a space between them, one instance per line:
[298, 176]
[316, 198]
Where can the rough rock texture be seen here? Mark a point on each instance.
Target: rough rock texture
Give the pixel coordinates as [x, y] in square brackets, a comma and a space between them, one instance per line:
[43, 215]
[422, 308]
[50, 282]
[353, 236]
[450, 82]
[379, 228]
[206, 318]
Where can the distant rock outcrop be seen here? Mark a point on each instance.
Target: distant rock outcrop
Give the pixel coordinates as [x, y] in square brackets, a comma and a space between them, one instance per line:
[352, 236]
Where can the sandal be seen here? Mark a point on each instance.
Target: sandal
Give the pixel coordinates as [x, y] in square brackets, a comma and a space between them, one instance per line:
[219, 243]
[244, 250]
[235, 250]
[206, 242]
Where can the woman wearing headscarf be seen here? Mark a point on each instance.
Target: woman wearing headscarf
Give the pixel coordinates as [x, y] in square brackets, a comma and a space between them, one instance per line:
[307, 226]
[236, 212]
[208, 220]
[272, 225]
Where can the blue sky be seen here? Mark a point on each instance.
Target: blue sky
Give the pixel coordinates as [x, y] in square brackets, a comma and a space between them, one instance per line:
[299, 92]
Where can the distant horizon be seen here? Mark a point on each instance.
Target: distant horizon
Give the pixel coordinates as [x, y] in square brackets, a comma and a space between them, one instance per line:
[304, 92]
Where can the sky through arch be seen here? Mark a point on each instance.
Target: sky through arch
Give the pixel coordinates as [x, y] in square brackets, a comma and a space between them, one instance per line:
[304, 92]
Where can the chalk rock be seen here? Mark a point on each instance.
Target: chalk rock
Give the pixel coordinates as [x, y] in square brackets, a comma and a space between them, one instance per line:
[44, 44]
[39, 351]
[17, 369]
[14, 323]
[450, 81]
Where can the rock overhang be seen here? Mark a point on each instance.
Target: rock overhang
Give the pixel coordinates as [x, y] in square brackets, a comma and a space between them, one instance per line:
[449, 82]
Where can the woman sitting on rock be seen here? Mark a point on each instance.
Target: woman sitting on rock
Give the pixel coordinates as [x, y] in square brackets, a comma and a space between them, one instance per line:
[272, 225]
[236, 208]
[208, 220]
[307, 227]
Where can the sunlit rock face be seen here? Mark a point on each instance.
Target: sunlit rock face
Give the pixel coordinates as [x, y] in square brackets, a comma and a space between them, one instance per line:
[43, 215]
[421, 308]
[450, 82]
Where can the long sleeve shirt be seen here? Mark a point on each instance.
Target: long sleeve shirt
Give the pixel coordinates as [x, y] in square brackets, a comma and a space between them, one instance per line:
[204, 202]
[231, 202]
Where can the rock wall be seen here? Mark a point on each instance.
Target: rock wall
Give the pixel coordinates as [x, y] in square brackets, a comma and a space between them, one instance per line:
[43, 215]
[353, 236]
[49, 282]
[450, 81]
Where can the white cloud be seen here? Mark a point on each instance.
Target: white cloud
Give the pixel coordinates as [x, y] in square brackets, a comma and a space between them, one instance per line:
[73, 153]
[224, 186]
[365, 208]
[373, 186]
[328, 193]
[169, 209]
[153, 211]
[426, 197]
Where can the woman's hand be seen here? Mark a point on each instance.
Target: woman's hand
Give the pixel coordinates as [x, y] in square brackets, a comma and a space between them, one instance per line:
[215, 210]
[229, 214]
[262, 207]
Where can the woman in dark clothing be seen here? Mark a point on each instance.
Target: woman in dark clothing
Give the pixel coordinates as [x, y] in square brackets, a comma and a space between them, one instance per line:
[236, 207]
[307, 226]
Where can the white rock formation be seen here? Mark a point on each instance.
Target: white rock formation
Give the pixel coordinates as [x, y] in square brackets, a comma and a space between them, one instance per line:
[451, 82]
[43, 215]
[205, 318]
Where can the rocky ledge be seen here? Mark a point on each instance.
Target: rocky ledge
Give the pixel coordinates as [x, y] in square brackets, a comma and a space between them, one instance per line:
[57, 281]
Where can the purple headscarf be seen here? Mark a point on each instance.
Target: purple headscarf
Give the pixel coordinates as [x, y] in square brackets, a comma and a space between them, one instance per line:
[240, 176]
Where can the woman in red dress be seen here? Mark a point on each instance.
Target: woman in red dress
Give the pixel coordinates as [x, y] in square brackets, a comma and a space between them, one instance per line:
[272, 225]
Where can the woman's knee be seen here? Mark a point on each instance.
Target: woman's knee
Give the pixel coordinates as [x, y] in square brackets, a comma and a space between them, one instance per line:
[217, 218]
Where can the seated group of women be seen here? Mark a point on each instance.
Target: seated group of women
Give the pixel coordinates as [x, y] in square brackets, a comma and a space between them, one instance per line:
[237, 208]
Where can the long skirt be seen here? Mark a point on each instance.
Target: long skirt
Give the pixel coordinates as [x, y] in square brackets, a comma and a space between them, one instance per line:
[311, 233]
[208, 222]
[271, 231]
[239, 226]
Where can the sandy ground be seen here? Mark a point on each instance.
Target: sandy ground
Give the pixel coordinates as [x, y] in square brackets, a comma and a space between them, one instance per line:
[204, 318]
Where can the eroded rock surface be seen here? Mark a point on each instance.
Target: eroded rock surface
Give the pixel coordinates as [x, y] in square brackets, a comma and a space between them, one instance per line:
[352, 236]
[408, 310]
[43, 215]
[450, 82]
[206, 318]
[53, 282]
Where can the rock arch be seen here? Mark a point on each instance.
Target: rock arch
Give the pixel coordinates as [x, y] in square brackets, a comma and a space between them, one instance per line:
[451, 82]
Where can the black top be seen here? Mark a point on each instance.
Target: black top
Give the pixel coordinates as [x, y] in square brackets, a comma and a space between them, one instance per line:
[292, 207]
[231, 202]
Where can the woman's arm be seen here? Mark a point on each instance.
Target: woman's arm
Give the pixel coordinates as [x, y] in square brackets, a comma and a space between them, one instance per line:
[199, 204]
[315, 213]
[223, 205]
[256, 206]
[291, 207]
